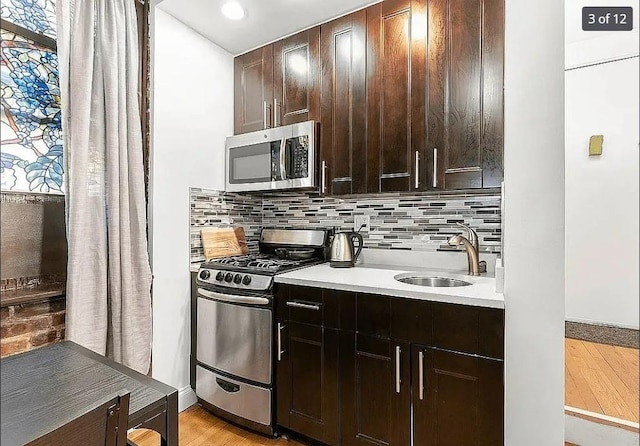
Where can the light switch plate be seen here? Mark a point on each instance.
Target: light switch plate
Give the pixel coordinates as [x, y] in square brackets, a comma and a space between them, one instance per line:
[595, 145]
[360, 220]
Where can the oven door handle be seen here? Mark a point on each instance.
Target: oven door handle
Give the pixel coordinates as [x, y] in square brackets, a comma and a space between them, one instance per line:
[233, 298]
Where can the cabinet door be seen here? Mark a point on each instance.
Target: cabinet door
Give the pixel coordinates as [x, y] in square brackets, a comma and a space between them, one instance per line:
[465, 118]
[374, 391]
[253, 90]
[307, 392]
[396, 95]
[296, 62]
[343, 139]
[457, 399]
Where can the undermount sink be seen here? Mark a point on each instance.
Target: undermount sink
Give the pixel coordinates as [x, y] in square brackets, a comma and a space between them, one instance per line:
[432, 281]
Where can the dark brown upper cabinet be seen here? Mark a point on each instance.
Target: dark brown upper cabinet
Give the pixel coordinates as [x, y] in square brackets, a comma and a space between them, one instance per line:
[409, 95]
[278, 84]
[296, 62]
[343, 140]
[465, 93]
[396, 95]
[253, 92]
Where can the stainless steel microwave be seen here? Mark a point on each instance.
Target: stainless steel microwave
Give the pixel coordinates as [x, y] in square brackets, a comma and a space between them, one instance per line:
[278, 158]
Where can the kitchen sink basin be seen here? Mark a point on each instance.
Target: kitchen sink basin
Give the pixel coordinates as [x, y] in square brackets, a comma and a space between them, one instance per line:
[431, 281]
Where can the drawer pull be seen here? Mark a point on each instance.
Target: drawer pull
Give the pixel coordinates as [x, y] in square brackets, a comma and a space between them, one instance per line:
[295, 304]
[227, 386]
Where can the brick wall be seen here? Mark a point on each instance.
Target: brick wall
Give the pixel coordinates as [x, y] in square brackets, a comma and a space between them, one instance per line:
[27, 326]
[33, 259]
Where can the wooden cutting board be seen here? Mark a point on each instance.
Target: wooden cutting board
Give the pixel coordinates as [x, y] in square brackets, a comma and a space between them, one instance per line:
[223, 242]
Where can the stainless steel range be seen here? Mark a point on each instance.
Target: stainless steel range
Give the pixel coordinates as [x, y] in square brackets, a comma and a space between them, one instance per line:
[235, 325]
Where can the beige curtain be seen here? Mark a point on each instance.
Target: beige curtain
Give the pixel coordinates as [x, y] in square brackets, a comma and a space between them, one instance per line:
[109, 279]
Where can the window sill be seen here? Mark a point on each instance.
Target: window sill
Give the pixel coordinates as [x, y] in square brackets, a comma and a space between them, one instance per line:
[31, 295]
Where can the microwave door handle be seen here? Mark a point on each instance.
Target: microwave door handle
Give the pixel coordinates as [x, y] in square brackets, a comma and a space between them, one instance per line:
[291, 158]
[283, 159]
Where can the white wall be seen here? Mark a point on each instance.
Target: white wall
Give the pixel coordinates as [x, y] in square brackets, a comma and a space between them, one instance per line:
[192, 113]
[534, 223]
[588, 47]
[602, 194]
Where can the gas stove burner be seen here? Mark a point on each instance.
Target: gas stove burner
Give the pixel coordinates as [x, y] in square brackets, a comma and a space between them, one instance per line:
[269, 264]
[239, 261]
[258, 263]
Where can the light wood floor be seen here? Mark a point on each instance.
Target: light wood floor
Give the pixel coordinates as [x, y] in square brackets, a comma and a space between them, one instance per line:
[602, 379]
[197, 427]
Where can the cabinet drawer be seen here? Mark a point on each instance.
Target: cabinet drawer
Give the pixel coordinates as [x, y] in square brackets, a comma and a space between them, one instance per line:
[412, 320]
[373, 315]
[468, 329]
[300, 304]
[238, 398]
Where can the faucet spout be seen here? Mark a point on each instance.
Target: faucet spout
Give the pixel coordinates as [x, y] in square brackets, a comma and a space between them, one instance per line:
[472, 253]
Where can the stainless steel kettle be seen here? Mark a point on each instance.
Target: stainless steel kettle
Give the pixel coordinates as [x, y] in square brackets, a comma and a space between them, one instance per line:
[342, 250]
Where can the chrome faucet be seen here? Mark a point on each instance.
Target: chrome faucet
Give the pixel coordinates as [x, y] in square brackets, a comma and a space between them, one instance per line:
[471, 245]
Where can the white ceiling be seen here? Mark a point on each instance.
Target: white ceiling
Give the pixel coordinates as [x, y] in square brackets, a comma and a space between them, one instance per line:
[265, 20]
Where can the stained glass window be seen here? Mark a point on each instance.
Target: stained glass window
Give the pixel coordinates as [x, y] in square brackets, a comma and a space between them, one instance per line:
[30, 114]
[38, 16]
[31, 143]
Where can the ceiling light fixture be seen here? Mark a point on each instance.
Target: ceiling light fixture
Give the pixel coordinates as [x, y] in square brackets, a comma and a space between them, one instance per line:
[232, 10]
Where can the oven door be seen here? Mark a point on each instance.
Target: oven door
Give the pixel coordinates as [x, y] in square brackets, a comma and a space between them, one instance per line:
[234, 334]
[278, 158]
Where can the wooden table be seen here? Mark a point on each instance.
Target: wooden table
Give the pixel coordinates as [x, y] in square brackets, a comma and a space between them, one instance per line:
[47, 388]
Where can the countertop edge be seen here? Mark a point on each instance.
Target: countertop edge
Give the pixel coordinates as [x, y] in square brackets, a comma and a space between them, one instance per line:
[426, 296]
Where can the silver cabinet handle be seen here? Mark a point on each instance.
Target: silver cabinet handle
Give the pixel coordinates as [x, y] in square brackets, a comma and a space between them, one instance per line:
[435, 167]
[323, 179]
[265, 116]
[417, 169]
[302, 305]
[421, 374]
[398, 380]
[280, 351]
[276, 112]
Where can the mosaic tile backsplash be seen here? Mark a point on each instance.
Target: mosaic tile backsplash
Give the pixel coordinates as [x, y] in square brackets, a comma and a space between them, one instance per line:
[220, 209]
[398, 220]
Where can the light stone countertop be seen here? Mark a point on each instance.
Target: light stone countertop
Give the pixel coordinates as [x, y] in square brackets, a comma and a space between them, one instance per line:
[379, 279]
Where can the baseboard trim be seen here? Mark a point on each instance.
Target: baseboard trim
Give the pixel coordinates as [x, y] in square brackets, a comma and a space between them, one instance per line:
[602, 324]
[591, 429]
[601, 333]
[186, 398]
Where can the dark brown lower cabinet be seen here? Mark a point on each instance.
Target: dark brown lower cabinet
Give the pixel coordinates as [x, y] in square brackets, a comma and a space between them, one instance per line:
[389, 370]
[375, 391]
[457, 398]
[307, 369]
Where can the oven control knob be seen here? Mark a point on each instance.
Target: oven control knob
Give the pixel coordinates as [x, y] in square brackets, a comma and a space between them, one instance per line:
[228, 277]
[246, 280]
[237, 278]
[205, 274]
[220, 276]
